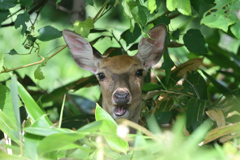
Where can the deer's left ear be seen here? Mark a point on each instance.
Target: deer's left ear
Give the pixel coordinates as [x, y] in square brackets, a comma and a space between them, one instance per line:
[150, 50]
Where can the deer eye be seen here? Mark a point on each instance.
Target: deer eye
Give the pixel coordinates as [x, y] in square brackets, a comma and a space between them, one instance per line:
[101, 76]
[139, 73]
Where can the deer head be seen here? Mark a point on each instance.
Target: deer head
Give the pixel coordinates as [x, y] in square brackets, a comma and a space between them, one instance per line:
[120, 77]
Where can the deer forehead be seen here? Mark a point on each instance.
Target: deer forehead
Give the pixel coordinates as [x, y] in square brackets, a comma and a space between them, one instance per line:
[120, 64]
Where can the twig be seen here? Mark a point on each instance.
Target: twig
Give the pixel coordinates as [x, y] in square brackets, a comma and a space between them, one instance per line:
[119, 43]
[55, 53]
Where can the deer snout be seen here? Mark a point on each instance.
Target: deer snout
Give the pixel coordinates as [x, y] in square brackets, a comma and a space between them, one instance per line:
[121, 97]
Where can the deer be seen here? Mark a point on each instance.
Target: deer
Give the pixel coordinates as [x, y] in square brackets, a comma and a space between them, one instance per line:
[120, 77]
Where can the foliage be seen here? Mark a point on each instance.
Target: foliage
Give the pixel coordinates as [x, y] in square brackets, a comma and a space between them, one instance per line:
[196, 87]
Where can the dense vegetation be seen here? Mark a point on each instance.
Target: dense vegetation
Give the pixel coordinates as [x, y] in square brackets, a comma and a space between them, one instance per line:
[47, 103]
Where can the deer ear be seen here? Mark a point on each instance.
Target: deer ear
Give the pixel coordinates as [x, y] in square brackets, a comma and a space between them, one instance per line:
[150, 50]
[82, 52]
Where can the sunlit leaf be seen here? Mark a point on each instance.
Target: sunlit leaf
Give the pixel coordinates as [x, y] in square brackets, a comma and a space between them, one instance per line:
[83, 28]
[109, 126]
[183, 6]
[151, 5]
[217, 116]
[38, 74]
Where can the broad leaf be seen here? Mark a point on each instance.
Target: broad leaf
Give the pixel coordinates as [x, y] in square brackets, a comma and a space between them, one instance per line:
[109, 127]
[26, 3]
[183, 6]
[3, 15]
[194, 41]
[21, 21]
[195, 113]
[6, 4]
[83, 28]
[38, 74]
[222, 15]
[48, 33]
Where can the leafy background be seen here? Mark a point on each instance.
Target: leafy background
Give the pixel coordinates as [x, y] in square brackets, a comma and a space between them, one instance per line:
[195, 88]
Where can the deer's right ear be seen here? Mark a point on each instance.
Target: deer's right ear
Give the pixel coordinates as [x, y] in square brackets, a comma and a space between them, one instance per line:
[82, 52]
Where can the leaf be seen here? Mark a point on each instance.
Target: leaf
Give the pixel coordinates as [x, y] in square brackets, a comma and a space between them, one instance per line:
[6, 4]
[13, 52]
[142, 15]
[195, 4]
[90, 2]
[26, 3]
[144, 152]
[21, 21]
[83, 28]
[109, 126]
[15, 101]
[1, 59]
[189, 66]
[6, 103]
[235, 29]
[127, 7]
[196, 85]
[33, 110]
[222, 89]
[57, 141]
[194, 41]
[48, 33]
[176, 34]
[183, 6]
[222, 131]
[150, 87]
[38, 74]
[217, 115]
[30, 146]
[222, 15]
[162, 20]
[131, 37]
[3, 15]
[8, 127]
[167, 66]
[195, 113]
[151, 6]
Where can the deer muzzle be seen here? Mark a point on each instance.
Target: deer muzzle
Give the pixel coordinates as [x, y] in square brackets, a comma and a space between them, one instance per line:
[121, 100]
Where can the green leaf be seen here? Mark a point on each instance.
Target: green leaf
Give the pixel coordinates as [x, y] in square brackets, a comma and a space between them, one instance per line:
[222, 15]
[167, 66]
[83, 28]
[15, 101]
[46, 131]
[150, 87]
[58, 1]
[142, 16]
[145, 151]
[183, 6]
[176, 34]
[195, 113]
[30, 146]
[162, 20]
[131, 37]
[151, 5]
[196, 85]
[6, 103]
[3, 15]
[109, 127]
[26, 3]
[194, 41]
[91, 127]
[21, 21]
[222, 89]
[6, 4]
[13, 52]
[127, 7]
[57, 141]
[235, 29]
[7, 126]
[90, 2]
[33, 110]
[1, 59]
[48, 33]
[38, 74]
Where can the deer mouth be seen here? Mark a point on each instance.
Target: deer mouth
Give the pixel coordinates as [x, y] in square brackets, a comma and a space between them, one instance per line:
[120, 110]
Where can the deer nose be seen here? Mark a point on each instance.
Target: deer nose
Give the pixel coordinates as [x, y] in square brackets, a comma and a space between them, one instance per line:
[121, 97]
